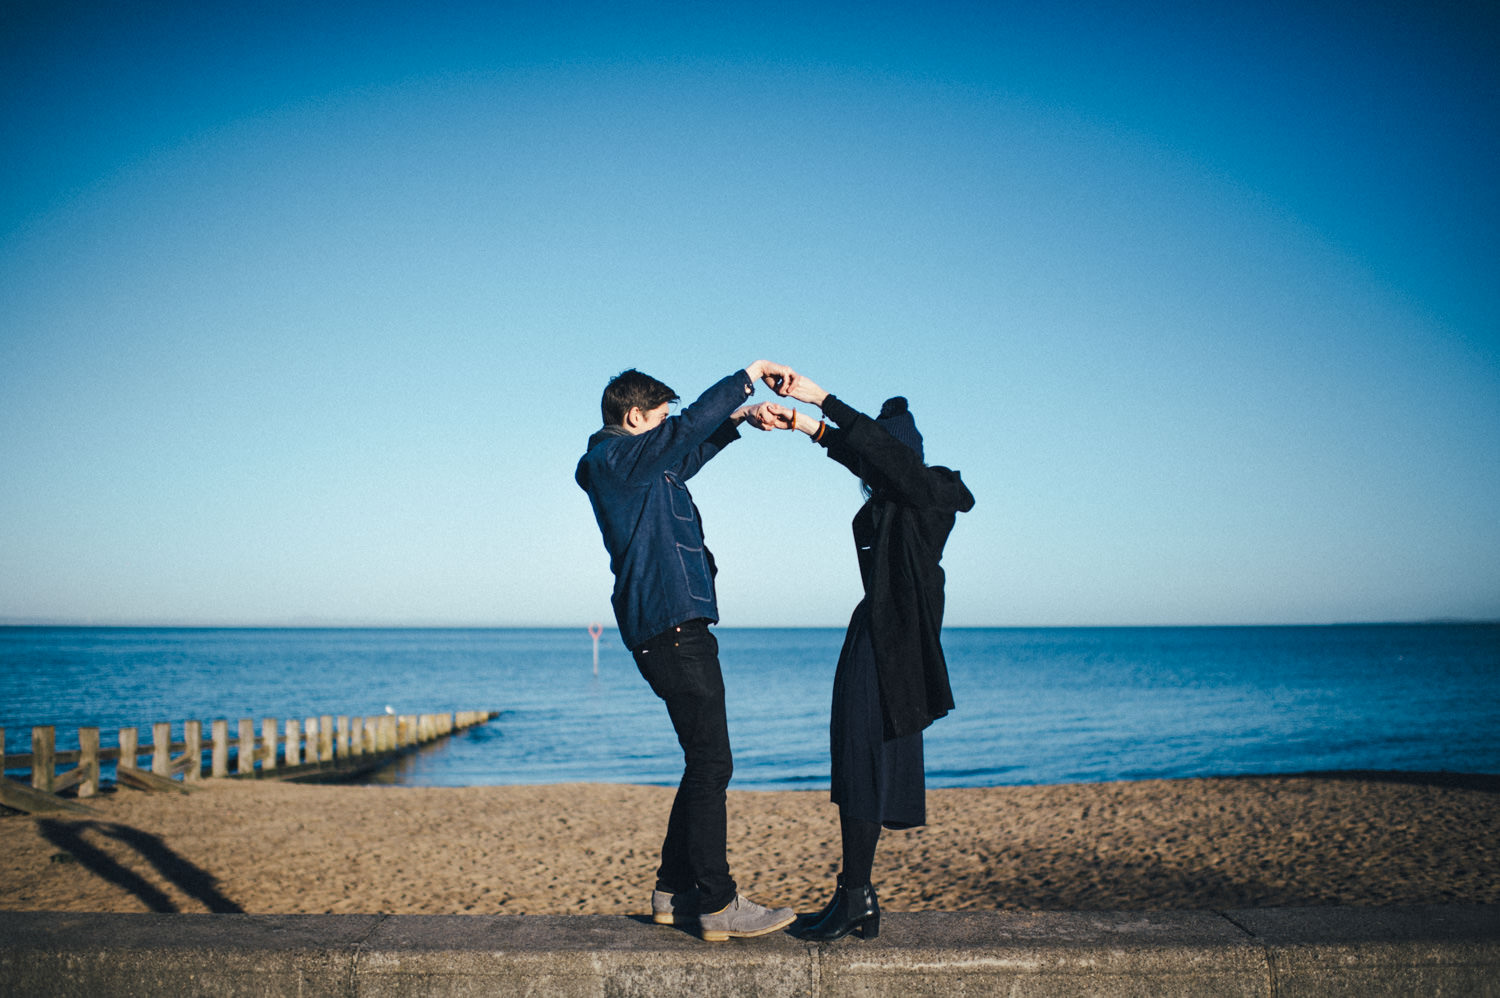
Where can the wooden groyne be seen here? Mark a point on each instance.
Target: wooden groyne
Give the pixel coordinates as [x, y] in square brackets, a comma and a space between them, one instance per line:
[325, 747]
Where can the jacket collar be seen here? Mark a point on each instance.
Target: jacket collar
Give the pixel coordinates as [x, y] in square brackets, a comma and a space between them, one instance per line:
[604, 433]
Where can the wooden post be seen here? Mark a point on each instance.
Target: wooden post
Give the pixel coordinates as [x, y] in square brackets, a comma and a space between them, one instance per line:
[293, 742]
[310, 740]
[325, 738]
[192, 735]
[220, 749]
[88, 761]
[268, 743]
[371, 744]
[161, 748]
[246, 762]
[2, 753]
[43, 750]
[129, 749]
[342, 726]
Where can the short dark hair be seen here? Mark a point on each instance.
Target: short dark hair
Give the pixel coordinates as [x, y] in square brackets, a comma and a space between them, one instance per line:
[631, 390]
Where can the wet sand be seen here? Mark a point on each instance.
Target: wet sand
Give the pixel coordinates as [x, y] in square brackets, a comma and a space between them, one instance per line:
[265, 847]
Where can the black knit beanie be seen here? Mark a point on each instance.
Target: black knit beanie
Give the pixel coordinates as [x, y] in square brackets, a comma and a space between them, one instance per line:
[898, 422]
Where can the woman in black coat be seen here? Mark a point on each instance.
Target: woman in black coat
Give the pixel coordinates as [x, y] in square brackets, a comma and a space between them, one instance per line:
[892, 679]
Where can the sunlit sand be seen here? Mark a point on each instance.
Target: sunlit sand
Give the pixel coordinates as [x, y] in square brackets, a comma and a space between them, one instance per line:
[1203, 843]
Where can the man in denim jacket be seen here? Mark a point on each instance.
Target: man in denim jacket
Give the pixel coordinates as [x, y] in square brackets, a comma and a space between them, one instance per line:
[635, 473]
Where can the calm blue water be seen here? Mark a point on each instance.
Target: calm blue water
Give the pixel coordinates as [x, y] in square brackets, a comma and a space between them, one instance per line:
[1034, 705]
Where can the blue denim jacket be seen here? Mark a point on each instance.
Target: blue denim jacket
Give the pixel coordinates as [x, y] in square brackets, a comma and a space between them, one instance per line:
[664, 573]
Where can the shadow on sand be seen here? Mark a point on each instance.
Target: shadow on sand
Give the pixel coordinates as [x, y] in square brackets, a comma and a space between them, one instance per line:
[71, 836]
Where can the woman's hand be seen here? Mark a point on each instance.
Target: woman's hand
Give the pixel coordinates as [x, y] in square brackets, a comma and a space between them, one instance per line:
[803, 389]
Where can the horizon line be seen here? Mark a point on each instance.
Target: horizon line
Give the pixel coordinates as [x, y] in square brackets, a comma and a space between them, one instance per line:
[328, 625]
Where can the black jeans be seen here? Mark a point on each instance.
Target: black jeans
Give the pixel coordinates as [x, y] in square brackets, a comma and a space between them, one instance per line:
[682, 666]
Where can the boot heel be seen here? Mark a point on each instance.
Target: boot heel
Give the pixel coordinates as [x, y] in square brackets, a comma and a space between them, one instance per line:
[870, 927]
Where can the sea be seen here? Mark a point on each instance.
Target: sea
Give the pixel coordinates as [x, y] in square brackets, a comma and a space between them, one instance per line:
[1034, 705]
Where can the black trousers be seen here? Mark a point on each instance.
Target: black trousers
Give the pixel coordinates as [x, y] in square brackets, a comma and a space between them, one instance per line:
[682, 666]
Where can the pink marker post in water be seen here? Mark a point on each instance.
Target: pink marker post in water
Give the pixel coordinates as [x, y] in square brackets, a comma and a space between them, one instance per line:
[594, 631]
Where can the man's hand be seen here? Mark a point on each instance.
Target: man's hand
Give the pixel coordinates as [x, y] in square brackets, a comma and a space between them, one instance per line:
[778, 377]
[765, 416]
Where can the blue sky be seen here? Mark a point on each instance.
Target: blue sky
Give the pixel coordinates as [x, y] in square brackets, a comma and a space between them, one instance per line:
[305, 310]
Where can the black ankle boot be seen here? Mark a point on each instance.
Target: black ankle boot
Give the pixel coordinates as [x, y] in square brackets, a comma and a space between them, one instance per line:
[853, 909]
[808, 921]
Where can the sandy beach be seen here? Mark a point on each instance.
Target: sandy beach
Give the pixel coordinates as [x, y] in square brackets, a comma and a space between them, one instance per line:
[265, 847]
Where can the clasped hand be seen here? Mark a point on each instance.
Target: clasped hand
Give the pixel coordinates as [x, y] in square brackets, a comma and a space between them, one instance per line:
[788, 384]
[770, 416]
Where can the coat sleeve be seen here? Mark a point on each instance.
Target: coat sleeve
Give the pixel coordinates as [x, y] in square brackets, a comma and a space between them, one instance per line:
[685, 442]
[723, 435]
[835, 442]
[864, 447]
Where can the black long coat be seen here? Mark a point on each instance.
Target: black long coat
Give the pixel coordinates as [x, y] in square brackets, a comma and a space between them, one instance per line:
[899, 534]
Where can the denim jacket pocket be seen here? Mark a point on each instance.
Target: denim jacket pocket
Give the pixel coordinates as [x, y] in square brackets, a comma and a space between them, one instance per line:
[700, 584]
[681, 499]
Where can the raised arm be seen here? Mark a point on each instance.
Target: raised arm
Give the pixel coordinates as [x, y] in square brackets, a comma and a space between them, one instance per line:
[860, 444]
[685, 442]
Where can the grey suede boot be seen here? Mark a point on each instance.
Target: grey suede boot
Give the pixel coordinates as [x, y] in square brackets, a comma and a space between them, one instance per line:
[743, 918]
[674, 909]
